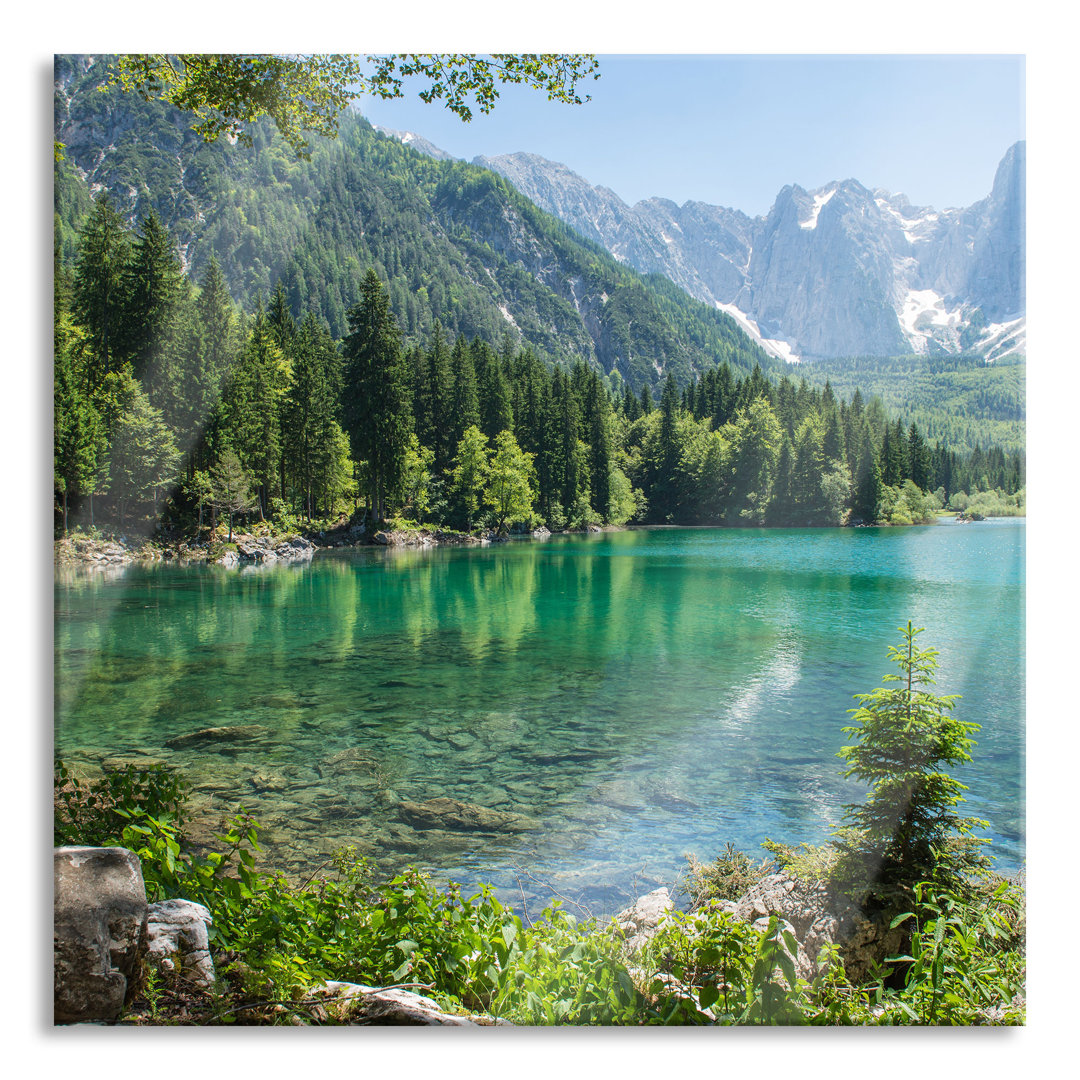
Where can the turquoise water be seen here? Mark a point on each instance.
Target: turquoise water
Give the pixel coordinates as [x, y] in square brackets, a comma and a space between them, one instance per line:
[633, 696]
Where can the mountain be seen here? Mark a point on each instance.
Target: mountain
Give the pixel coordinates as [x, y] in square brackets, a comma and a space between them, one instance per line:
[838, 271]
[454, 242]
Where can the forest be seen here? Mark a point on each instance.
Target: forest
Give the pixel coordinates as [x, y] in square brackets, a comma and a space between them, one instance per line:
[174, 406]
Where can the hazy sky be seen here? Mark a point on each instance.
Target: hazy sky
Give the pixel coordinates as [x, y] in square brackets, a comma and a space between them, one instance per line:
[733, 130]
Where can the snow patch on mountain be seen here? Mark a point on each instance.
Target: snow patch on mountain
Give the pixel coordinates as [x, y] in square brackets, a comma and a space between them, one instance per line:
[782, 350]
[819, 201]
[923, 313]
[1003, 339]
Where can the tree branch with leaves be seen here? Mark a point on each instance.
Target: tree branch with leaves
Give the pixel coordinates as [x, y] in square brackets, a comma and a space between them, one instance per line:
[227, 92]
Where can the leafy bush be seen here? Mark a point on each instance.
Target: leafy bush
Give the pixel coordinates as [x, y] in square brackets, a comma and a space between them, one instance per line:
[726, 878]
[96, 812]
[808, 862]
[962, 965]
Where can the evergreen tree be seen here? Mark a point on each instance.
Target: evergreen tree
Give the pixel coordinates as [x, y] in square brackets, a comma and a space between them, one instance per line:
[280, 319]
[310, 433]
[376, 401]
[597, 419]
[98, 294]
[154, 286]
[437, 398]
[664, 492]
[869, 493]
[918, 459]
[79, 445]
[230, 488]
[251, 410]
[464, 397]
[908, 829]
[144, 458]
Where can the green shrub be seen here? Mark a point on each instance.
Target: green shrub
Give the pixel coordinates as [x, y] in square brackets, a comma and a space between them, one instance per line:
[726, 878]
[96, 812]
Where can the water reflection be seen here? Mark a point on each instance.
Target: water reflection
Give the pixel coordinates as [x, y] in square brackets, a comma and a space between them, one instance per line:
[635, 695]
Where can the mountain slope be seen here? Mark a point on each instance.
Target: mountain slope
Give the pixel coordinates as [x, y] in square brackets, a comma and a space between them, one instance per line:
[838, 271]
[453, 241]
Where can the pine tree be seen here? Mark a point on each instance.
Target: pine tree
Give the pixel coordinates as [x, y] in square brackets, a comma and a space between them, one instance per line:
[437, 393]
[310, 433]
[154, 286]
[280, 319]
[144, 458]
[79, 444]
[908, 829]
[231, 488]
[251, 409]
[376, 402]
[464, 397]
[98, 294]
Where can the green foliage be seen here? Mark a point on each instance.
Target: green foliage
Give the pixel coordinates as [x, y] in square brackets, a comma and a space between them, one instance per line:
[908, 829]
[509, 483]
[806, 861]
[470, 474]
[94, 813]
[273, 939]
[227, 92]
[726, 878]
[961, 961]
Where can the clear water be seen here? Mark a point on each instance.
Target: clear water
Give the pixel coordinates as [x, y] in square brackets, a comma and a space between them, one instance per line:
[634, 695]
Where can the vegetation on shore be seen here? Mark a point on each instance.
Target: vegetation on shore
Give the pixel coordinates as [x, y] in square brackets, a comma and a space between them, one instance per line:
[170, 407]
[904, 854]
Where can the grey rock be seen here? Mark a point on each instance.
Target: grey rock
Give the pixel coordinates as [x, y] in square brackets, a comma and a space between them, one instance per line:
[358, 1004]
[99, 932]
[817, 918]
[641, 921]
[178, 940]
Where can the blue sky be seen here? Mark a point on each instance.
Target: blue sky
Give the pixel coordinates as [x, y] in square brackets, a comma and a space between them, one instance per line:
[733, 130]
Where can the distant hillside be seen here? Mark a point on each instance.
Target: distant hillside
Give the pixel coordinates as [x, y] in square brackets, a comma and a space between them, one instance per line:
[454, 242]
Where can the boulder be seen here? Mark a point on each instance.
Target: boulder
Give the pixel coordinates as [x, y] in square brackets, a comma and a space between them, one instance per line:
[99, 932]
[641, 921]
[817, 917]
[444, 813]
[178, 940]
[358, 1004]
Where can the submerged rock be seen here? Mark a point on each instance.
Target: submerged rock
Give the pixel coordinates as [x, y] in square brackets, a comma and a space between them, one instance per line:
[229, 733]
[444, 813]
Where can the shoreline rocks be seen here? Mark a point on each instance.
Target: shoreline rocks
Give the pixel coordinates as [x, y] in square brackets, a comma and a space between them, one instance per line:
[99, 932]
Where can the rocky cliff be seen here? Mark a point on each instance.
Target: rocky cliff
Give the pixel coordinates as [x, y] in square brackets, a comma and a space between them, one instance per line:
[839, 271]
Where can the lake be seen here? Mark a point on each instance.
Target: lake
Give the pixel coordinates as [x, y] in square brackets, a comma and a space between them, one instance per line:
[617, 700]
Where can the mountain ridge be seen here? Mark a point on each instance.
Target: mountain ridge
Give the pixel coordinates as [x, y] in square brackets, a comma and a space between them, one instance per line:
[834, 271]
